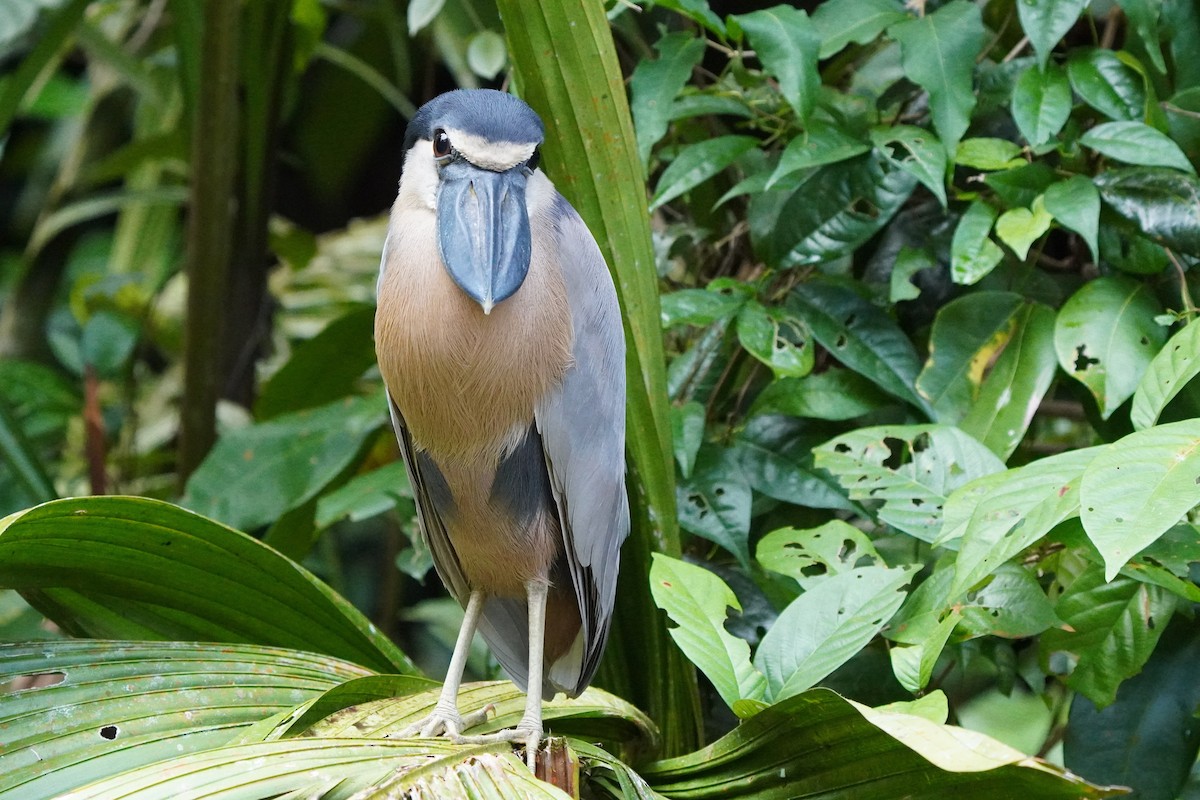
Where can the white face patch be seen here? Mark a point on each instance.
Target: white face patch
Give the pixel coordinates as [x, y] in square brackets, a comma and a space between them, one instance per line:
[496, 156]
[419, 181]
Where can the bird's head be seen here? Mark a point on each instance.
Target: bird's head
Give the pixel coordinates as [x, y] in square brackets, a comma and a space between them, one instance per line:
[469, 153]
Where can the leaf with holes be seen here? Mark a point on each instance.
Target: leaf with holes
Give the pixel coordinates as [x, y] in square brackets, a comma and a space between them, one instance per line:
[1169, 371]
[1138, 487]
[1110, 630]
[809, 556]
[715, 502]
[972, 252]
[775, 339]
[1105, 336]
[917, 152]
[1011, 605]
[824, 627]
[912, 469]
[697, 601]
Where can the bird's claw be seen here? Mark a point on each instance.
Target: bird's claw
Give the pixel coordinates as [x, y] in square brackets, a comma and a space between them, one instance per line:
[445, 721]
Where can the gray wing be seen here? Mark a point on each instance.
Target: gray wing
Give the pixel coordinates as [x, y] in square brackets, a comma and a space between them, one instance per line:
[582, 424]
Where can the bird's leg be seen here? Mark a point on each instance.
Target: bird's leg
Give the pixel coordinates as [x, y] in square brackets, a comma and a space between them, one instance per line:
[445, 719]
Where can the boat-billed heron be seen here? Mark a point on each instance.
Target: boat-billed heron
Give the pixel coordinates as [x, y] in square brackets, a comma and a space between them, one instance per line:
[499, 338]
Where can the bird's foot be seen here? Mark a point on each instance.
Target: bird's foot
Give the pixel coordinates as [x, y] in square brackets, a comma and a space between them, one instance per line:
[527, 732]
[445, 721]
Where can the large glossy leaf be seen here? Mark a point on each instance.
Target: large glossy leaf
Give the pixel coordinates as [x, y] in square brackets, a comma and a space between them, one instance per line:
[786, 43]
[1105, 336]
[775, 456]
[826, 625]
[696, 600]
[1046, 21]
[860, 336]
[938, 54]
[912, 469]
[1169, 371]
[1041, 102]
[840, 22]
[1138, 487]
[655, 84]
[821, 143]
[1164, 204]
[133, 568]
[834, 394]
[121, 705]
[1111, 629]
[821, 746]
[1136, 143]
[1106, 83]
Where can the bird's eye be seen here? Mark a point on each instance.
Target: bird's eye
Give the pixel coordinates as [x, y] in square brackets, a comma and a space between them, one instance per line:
[534, 159]
[441, 144]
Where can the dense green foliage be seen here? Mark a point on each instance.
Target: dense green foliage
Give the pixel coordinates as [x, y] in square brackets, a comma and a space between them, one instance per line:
[926, 277]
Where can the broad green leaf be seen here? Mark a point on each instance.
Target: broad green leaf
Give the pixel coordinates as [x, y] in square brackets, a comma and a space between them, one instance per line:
[254, 474]
[655, 85]
[917, 152]
[840, 22]
[1019, 186]
[913, 664]
[860, 336]
[912, 469]
[775, 455]
[833, 212]
[819, 745]
[821, 143]
[120, 705]
[1162, 203]
[1075, 203]
[1169, 371]
[697, 601]
[1019, 228]
[1105, 336]
[835, 394]
[1015, 384]
[967, 336]
[810, 556]
[1136, 143]
[787, 43]
[715, 502]
[697, 163]
[324, 368]
[367, 495]
[1041, 102]
[1111, 629]
[1012, 605]
[186, 578]
[776, 340]
[1047, 21]
[972, 252]
[699, 307]
[831, 621]
[486, 54]
[1138, 487]
[988, 154]
[1106, 83]
[687, 434]
[1011, 511]
[938, 53]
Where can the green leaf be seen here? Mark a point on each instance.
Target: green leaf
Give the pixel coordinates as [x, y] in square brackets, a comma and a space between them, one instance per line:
[1163, 204]
[1169, 371]
[1106, 83]
[821, 746]
[1045, 22]
[1136, 143]
[1019, 228]
[687, 434]
[697, 11]
[186, 578]
[988, 154]
[781, 344]
[254, 474]
[835, 394]
[821, 143]
[1041, 102]
[1138, 487]
[1005, 513]
[324, 368]
[367, 495]
[23, 462]
[486, 54]
[859, 336]
[1143, 19]
[655, 85]
[1111, 629]
[810, 556]
[47, 48]
[121, 705]
[825, 626]
[787, 44]
[421, 13]
[1075, 203]
[697, 163]
[912, 469]
[696, 600]
[699, 306]
[775, 455]
[1011, 605]
[1105, 336]
[913, 664]
[938, 54]
[715, 502]
[909, 262]
[917, 152]
[840, 22]
[972, 252]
